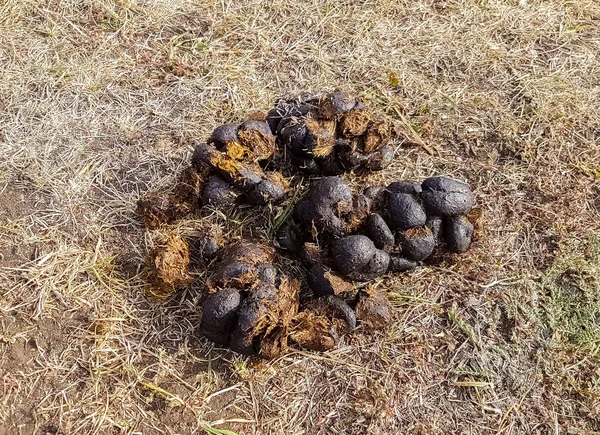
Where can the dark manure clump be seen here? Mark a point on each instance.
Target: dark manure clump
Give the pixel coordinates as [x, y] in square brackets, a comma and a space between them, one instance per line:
[446, 197]
[416, 243]
[237, 173]
[330, 134]
[361, 236]
[357, 258]
[238, 265]
[264, 319]
[233, 156]
[251, 302]
[205, 244]
[220, 314]
[331, 234]
[324, 282]
[218, 193]
[331, 209]
[379, 232]
[327, 202]
[257, 138]
[224, 135]
[424, 216]
[458, 232]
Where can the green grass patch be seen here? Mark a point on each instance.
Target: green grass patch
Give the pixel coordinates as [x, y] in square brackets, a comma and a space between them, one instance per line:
[571, 309]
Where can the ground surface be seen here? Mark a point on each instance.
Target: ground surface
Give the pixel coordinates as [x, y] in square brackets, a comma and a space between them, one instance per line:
[101, 101]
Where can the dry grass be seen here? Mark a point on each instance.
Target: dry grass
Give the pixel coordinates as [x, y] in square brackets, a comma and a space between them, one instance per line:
[101, 101]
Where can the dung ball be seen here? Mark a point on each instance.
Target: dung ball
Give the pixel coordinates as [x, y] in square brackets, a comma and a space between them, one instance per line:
[444, 196]
[417, 243]
[219, 315]
[458, 232]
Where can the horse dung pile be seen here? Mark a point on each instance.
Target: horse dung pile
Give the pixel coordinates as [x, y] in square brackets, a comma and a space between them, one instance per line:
[253, 305]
